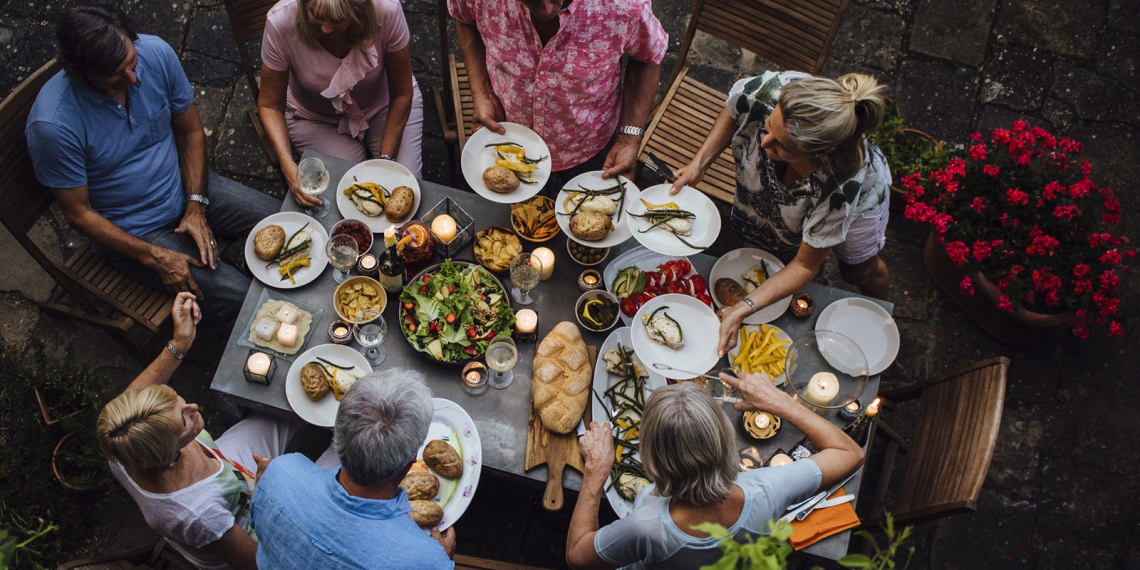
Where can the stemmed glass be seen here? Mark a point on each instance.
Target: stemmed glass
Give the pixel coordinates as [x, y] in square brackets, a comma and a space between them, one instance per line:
[502, 355]
[313, 178]
[369, 329]
[343, 252]
[526, 270]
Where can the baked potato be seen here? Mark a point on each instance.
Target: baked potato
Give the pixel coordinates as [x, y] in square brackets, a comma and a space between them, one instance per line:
[728, 291]
[426, 513]
[443, 459]
[399, 204]
[268, 241]
[314, 381]
[590, 226]
[500, 179]
[420, 485]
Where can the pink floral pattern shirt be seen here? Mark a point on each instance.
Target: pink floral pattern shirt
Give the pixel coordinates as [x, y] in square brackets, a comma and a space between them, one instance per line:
[569, 91]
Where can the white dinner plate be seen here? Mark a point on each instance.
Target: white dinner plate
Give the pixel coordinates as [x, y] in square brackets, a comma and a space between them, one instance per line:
[706, 225]
[602, 380]
[644, 259]
[593, 181]
[290, 222]
[388, 174]
[477, 158]
[452, 424]
[780, 334]
[868, 325]
[734, 264]
[321, 413]
[699, 326]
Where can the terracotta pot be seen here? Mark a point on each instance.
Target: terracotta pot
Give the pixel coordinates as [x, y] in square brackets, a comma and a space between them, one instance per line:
[61, 477]
[1019, 328]
[46, 410]
[898, 199]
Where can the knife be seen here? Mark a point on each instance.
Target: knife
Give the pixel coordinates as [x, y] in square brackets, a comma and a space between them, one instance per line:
[815, 500]
[664, 168]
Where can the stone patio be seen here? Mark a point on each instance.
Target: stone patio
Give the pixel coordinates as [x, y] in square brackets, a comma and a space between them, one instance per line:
[1063, 485]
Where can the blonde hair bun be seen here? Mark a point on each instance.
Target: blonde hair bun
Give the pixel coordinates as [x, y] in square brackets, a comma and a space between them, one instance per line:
[827, 119]
[137, 429]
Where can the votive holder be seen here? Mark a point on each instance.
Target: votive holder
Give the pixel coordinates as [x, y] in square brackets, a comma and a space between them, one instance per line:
[750, 458]
[851, 411]
[474, 378]
[259, 367]
[340, 332]
[780, 457]
[464, 227]
[590, 280]
[526, 326]
[803, 306]
[368, 265]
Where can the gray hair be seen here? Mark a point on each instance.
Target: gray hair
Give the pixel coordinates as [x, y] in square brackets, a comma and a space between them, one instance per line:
[382, 421]
[687, 445]
[827, 118]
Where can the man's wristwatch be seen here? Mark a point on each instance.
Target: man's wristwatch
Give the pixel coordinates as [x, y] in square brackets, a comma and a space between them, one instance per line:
[751, 306]
[174, 351]
[632, 131]
[384, 156]
[204, 201]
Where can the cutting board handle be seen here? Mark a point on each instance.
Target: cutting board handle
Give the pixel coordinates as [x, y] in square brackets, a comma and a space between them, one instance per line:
[552, 498]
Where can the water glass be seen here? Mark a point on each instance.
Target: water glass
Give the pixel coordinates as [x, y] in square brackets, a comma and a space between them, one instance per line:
[526, 271]
[342, 251]
[313, 178]
[502, 355]
[369, 329]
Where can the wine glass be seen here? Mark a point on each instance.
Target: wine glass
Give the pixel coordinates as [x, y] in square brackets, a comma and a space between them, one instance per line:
[526, 270]
[313, 178]
[369, 329]
[502, 355]
[343, 252]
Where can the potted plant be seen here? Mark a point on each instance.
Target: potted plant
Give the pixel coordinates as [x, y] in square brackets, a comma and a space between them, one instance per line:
[1021, 237]
[77, 463]
[907, 150]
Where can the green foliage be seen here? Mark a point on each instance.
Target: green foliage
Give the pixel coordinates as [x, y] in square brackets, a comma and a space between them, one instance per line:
[30, 492]
[15, 548]
[906, 153]
[768, 552]
[884, 556]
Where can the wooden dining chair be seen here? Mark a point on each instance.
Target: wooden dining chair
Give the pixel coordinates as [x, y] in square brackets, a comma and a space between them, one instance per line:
[90, 289]
[959, 418]
[795, 34]
[453, 99]
[161, 556]
[247, 22]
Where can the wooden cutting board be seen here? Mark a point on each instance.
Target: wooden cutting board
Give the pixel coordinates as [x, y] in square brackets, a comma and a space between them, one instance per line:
[556, 450]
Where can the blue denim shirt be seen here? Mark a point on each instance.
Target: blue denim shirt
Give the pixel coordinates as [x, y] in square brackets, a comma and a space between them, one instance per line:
[125, 155]
[306, 520]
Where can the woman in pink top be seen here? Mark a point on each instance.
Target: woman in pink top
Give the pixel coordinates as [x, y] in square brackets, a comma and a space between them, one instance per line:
[336, 77]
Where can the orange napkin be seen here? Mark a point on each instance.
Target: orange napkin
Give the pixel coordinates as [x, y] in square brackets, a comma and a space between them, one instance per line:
[822, 523]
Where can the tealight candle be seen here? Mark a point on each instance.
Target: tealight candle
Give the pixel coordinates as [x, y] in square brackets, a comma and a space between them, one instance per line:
[763, 421]
[780, 459]
[525, 321]
[547, 258]
[589, 280]
[367, 265]
[259, 367]
[474, 378]
[851, 411]
[803, 306]
[444, 226]
[822, 389]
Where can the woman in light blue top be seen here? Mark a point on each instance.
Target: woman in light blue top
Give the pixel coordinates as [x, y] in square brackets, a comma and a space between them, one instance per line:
[688, 451]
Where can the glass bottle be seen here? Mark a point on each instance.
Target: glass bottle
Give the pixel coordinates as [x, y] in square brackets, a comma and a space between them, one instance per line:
[391, 264]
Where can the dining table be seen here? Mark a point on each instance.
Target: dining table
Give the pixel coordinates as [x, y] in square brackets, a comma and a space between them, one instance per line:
[501, 416]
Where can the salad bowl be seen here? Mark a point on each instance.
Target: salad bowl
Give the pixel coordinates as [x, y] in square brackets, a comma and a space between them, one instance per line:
[450, 311]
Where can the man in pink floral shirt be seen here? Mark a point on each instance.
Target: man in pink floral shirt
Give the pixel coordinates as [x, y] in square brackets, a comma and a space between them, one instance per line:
[555, 66]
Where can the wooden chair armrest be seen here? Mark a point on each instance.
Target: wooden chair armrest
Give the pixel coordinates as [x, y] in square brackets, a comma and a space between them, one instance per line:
[914, 390]
[446, 121]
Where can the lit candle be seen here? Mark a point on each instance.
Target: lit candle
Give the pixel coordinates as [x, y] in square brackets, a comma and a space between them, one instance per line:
[851, 411]
[444, 226]
[803, 306]
[801, 303]
[287, 335]
[340, 331]
[873, 409]
[779, 459]
[763, 421]
[258, 363]
[590, 279]
[367, 261]
[473, 378]
[822, 389]
[525, 321]
[287, 314]
[547, 258]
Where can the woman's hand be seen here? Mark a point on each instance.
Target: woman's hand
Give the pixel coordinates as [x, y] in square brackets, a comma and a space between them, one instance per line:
[289, 171]
[598, 451]
[487, 112]
[185, 314]
[688, 175]
[757, 392]
[731, 319]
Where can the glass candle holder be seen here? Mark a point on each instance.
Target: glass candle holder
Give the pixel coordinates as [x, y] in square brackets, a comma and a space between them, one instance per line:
[340, 332]
[526, 326]
[259, 367]
[825, 371]
[589, 280]
[463, 222]
[750, 458]
[368, 265]
[803, 306]
[851, 411]
[474, 378]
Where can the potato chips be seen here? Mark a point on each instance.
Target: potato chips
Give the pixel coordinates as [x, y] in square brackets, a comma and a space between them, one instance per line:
[358, 297]
[535, 218]
[495, 248]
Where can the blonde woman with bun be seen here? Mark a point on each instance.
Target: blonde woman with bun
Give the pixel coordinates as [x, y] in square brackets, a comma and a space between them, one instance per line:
[807, 181]
[193, 491]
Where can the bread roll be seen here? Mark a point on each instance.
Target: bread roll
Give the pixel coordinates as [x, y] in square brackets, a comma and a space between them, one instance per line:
[268, 241]
[561, 380]
[443, 459]
[426, 513]
[420, 485]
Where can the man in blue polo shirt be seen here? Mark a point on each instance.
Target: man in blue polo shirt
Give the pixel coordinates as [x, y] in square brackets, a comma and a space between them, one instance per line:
[116, 138]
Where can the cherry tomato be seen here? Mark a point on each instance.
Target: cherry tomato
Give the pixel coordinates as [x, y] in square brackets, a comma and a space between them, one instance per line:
[424, 289]
[450, 318]
[472, 333]
[409, 306]
[450, 289]
[427, 278]
[411, 327]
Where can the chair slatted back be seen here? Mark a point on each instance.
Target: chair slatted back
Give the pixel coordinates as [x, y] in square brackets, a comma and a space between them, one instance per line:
[679, 128]
[247, 22]
[22, 199]
[958, 423]
[463, 100]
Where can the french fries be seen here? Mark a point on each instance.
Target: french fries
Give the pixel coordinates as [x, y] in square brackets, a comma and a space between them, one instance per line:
[761, 351]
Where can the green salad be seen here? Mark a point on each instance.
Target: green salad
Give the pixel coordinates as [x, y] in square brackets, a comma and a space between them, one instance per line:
[454, 312]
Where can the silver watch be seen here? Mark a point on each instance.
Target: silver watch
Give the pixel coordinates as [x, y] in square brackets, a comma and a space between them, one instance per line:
[204, 201]
[632, 131]
[751, 306]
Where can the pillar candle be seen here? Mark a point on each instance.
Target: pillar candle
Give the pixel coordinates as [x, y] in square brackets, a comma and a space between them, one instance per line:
[547, 258]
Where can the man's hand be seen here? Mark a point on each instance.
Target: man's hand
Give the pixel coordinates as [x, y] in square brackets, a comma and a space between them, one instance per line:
[757, 392]
[487, 112]
[446, 540]
[622, 156]
[688, 175]
[185, 314]
[262, 465]
[194, 224]
[598, 451]
[174, 270]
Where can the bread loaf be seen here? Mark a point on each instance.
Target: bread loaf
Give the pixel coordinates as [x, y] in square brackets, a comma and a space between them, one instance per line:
[562, 376]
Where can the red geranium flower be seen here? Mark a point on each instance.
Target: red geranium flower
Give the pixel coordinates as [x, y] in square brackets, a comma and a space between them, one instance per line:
[978, 204]
[1016, 197]
[1115, 329]
[991, 170]
[1005, 304]
[967, 285]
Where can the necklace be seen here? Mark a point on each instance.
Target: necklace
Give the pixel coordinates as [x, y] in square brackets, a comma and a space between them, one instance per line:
[177, 456]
